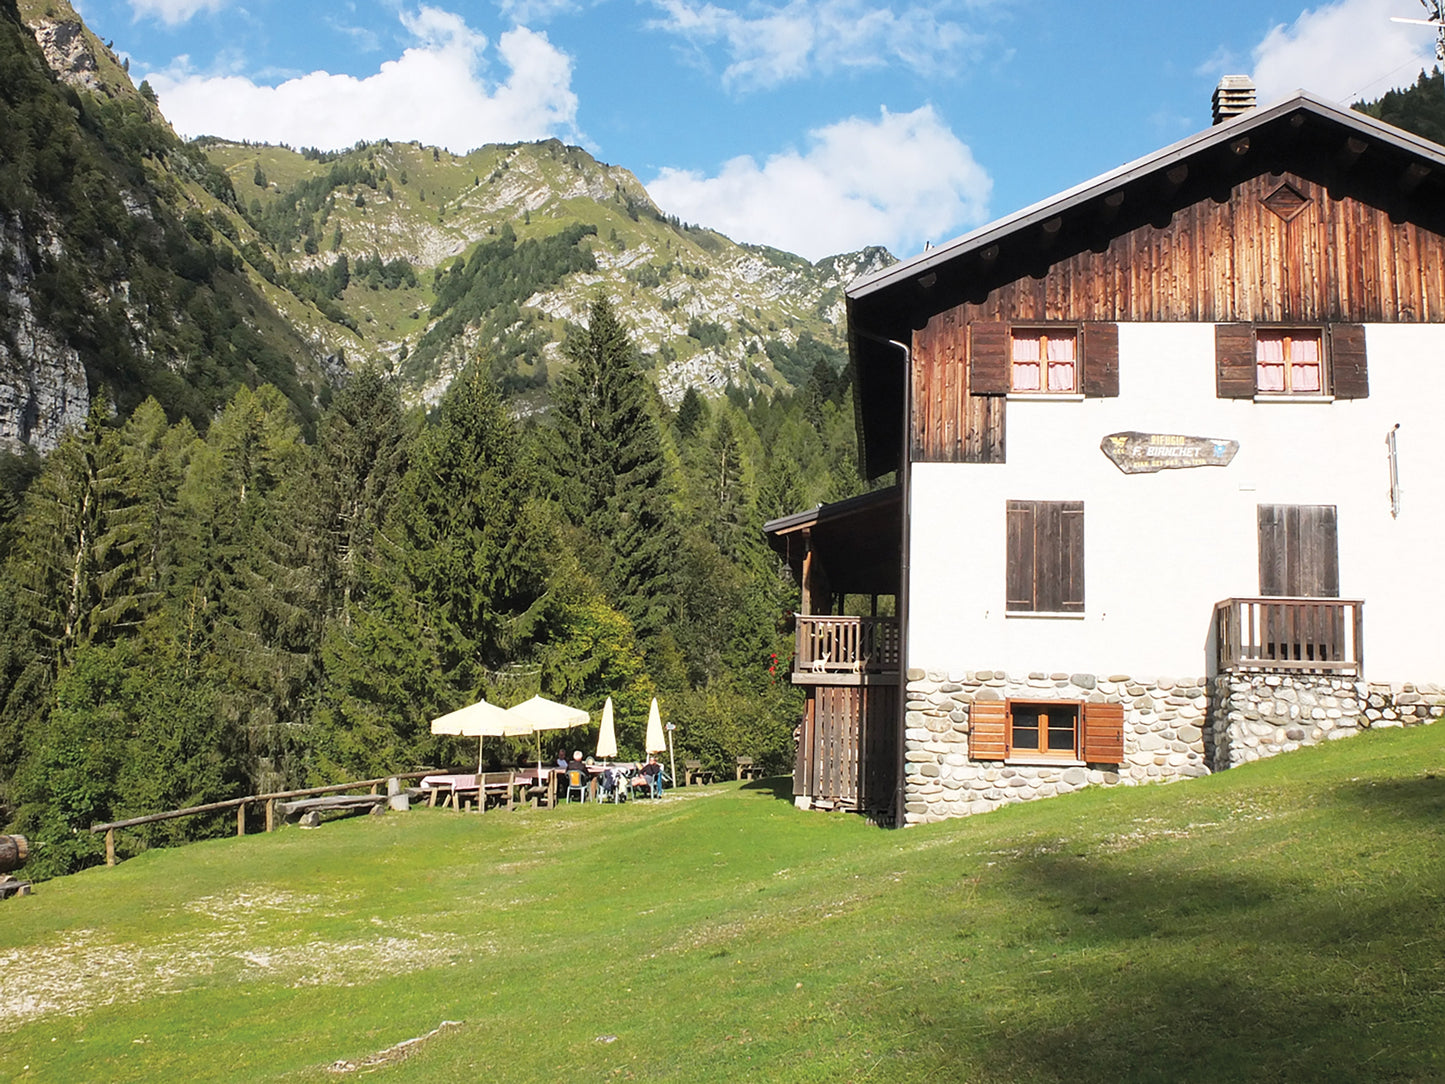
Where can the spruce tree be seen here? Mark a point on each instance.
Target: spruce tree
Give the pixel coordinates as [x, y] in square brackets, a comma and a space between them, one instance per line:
[611, 472]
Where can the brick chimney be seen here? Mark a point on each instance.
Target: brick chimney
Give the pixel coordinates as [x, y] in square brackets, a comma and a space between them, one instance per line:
[1233, 96]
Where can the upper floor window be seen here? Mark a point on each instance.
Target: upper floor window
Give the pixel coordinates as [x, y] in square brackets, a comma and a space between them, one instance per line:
[1288, 362]
[1044, 361]
[1281, 362]
[1073, 359]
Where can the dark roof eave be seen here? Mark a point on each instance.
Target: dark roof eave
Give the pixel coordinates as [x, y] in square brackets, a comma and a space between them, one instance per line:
[1154, 163]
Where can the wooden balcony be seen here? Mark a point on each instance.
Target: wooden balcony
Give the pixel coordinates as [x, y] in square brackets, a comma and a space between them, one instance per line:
[836, 650]
[1291, 635]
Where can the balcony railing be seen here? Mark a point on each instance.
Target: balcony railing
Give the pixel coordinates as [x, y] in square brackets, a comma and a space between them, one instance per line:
[1309, 635]
[846, 645]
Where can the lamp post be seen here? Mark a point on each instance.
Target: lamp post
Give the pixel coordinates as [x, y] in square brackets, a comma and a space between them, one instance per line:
[671, 757]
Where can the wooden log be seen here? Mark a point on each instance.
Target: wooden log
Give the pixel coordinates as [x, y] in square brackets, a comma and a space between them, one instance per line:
[14, 850]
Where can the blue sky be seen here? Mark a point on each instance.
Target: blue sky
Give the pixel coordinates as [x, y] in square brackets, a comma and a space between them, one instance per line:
[817, 126]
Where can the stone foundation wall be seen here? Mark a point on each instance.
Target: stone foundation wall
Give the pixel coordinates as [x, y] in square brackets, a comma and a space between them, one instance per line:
[1165, 721]
[1259, 715]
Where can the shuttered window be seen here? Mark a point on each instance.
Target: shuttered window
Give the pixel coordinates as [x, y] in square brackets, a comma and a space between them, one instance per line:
[1034, 731]
[1251, 360]
[1062, 358]
[1045, 546]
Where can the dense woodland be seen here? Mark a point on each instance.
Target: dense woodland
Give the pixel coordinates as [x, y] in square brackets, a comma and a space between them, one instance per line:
[186, 617]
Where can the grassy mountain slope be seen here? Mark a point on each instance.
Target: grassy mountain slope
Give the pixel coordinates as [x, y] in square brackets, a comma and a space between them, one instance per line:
[705, 308]
[1281, 921]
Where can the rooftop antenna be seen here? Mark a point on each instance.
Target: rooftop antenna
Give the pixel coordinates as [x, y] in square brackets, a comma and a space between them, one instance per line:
[1436, 10]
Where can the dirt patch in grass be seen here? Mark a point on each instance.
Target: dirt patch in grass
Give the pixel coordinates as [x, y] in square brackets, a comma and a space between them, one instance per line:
[254, 938]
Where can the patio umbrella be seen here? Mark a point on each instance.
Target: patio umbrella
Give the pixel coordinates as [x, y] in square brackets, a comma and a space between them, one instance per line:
[479, 720]
[539, 714]
[607, 739]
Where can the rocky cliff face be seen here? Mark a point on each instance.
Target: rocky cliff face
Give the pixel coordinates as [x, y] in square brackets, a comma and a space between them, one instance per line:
[43, 388]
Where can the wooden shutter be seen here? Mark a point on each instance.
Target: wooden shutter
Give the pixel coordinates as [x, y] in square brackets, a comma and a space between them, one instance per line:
[1349, 375]
[988, 357]
[1020, 591]
[1099, 346]
[986, 724]
[1070, 557]
[1299, 551]
[1234, 361]
[1103, 733]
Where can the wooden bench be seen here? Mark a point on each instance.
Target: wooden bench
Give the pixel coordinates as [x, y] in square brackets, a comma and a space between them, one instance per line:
[746, 769]
[308, 810]
[693, 773]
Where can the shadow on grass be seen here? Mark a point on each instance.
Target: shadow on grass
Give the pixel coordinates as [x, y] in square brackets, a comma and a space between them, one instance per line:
[1129, 973]
[779, 786]
[1422, 798]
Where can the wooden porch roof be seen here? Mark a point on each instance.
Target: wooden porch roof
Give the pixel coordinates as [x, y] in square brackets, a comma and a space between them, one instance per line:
[858, 541]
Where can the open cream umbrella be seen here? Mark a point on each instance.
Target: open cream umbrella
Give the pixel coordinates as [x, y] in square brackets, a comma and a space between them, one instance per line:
[539, 714]
[607, 737]
[480, 720]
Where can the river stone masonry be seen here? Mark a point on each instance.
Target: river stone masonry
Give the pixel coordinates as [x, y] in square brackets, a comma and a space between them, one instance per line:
[1165, 720]
[1259, 715]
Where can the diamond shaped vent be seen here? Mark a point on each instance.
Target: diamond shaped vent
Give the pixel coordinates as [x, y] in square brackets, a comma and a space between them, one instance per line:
[1287, 201]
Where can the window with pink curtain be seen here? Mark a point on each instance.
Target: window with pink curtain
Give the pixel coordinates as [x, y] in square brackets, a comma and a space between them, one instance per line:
[1027, 355]
[1269, 362]
[1304, 364]
[1288, 362]
[1044, 362]
[1061, 363]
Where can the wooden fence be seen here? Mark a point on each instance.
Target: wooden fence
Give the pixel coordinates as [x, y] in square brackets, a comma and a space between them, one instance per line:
[240, 805]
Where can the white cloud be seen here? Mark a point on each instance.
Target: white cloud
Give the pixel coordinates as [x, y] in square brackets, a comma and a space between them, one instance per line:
[173, 12]
[895, 181]
[435, 92]
[528, 12]
[1343, 50]
[770, 45]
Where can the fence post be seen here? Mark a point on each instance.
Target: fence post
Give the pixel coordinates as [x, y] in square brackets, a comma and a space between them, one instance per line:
[241, 819]
[110, 846]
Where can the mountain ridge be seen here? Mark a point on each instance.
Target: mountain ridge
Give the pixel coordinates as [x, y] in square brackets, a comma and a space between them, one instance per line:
[270, 236]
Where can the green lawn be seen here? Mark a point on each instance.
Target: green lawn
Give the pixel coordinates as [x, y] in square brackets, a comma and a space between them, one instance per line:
[1282, 921]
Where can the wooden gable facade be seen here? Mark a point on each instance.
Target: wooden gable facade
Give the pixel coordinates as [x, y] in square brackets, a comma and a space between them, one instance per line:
[1301, 214]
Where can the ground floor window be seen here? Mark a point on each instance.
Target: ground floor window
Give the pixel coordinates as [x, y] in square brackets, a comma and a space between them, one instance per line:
[1042, 731]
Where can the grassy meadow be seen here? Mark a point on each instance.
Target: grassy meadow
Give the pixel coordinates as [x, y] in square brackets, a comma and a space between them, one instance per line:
[1284, 921]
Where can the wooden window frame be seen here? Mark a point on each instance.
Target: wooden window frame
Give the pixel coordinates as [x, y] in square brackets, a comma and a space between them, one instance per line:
[1044, 557]
[1288, 336]
[1044, 709]
[1098, 733]
[1344, 364]
[1045, 334]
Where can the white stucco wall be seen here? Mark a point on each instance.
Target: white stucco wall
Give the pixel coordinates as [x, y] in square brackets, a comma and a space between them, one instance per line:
[1161, 549]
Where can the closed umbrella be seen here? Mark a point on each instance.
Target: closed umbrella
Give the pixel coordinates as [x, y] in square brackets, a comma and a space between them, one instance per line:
[607, 738]
[656, 742]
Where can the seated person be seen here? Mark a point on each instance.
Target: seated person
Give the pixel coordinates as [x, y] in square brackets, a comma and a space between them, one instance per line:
[607, 783]
[652, 770]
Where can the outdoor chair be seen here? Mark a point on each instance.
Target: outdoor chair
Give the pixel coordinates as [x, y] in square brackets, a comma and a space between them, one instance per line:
[577, 784]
